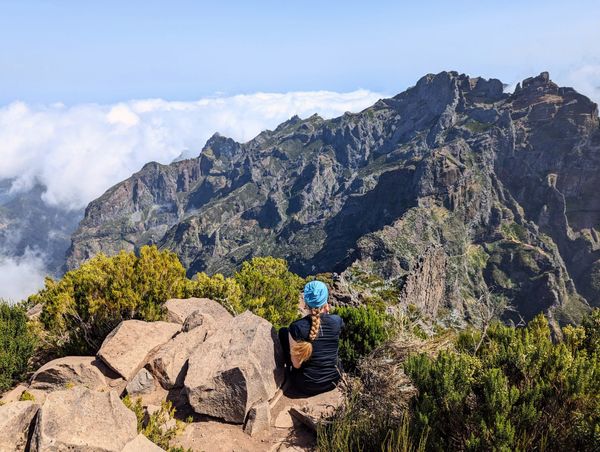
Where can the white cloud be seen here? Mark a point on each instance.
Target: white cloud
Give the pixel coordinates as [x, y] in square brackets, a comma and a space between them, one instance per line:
[21, 276]
[77, 152]
[586, 80]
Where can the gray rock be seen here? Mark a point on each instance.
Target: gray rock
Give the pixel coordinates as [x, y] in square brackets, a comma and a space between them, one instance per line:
[15, 422]
[142, 383]
[34, 312]
[199, 318]
[70, 370]
[141, 444]
[80, 419]
[259, 419]
[179, 309]
[235, 369]
[169, 363]
[129, 346]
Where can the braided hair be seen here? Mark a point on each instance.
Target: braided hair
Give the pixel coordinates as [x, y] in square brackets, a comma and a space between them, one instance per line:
[315, 319]
[302, 350]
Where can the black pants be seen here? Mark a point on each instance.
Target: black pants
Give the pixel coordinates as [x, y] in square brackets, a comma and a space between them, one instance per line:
[299, 382]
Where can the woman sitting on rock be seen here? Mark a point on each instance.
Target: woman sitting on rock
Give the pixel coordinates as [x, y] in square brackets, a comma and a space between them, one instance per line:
[311, 344]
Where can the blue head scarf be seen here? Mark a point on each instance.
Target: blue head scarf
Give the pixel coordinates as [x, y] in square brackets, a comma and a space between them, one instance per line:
[315, 294]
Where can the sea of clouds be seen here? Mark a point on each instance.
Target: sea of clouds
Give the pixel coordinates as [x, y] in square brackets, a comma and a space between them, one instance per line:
[77, 152]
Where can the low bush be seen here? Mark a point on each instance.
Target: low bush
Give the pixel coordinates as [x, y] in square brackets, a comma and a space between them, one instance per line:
[80, 309]
[513, 389]
[365, 328]
[350, 430]
[270, 290]
[517, 391]
[154, 427]
[17, 344]
[219, 288]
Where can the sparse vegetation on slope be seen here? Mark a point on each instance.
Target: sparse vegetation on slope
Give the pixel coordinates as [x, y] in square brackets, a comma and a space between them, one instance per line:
[518, 390]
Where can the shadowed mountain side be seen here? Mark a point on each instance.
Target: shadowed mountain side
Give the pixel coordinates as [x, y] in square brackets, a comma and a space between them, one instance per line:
[504, 183]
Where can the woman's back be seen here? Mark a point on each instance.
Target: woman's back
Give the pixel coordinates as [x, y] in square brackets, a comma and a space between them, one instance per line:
[322, 368]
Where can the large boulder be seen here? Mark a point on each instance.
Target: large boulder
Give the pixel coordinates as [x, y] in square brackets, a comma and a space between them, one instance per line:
[80, 419]
[178, 309]
[169, 363]
[15, 421]
[235, 369]
[70, 370]
[141, 444]
[127, 348]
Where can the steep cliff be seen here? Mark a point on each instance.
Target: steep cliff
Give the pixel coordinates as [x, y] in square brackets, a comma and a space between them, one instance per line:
[504, 183]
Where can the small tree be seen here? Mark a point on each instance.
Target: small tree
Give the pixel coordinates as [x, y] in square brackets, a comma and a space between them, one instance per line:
[219, 288]
[17, 344]
[270, 290]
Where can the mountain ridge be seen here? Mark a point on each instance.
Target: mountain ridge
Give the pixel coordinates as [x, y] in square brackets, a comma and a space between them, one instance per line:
[493, 178]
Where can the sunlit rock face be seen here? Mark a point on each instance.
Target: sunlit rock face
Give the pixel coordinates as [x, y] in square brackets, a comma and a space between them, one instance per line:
[504, 183]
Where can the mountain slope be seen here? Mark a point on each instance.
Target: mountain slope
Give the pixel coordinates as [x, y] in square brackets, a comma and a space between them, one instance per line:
[28, 224]
[503, 183]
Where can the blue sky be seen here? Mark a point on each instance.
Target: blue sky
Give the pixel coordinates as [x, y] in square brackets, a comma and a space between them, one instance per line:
[108, 51]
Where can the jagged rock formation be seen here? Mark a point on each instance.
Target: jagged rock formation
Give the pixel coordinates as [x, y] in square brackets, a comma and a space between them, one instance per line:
[505, 183]
[424, 287]
[239, 367]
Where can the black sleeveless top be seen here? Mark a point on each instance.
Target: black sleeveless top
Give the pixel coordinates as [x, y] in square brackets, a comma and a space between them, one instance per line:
[322, 370]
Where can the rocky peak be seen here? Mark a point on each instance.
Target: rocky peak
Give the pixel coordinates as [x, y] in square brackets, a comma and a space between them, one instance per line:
[453, 161]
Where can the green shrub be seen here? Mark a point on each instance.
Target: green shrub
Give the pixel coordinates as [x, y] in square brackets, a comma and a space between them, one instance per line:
[153, 427]
[27, 396]
[365, 328]
[87, 303]
[270, 290]
[17, 344]
[517, 391]
[219, 288]
[80, 309]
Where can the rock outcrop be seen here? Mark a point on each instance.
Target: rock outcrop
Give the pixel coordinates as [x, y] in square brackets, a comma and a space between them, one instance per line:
[178, 310]
[80, 419]
[452, 161]
[169, 363]
[424, 287]
[68, 371]
[128, 347]
[259, 419]
[15, 422]
[235, 369]
[13, 395]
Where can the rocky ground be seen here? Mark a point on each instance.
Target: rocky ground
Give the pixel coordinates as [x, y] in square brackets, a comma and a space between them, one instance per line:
[223, 374]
